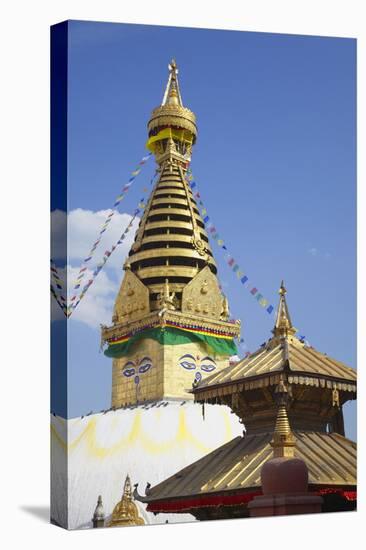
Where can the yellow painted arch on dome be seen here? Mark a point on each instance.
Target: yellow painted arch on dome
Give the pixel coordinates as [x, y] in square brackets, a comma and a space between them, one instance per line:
[137, 434]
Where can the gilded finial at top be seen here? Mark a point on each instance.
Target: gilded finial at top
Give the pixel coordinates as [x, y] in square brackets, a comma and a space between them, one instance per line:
[172, 92]
[172, 119]
[283, 326]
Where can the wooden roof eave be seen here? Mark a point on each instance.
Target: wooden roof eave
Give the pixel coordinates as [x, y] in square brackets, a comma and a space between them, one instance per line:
[268, 379]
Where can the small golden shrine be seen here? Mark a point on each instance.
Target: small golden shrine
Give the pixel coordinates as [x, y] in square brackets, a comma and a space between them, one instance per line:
[126, 512]
[171, 325]
[313, 389]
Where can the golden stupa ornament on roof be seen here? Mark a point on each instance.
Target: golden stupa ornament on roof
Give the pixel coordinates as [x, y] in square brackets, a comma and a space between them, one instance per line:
[283, 441]
[126, 511]
[283, 326]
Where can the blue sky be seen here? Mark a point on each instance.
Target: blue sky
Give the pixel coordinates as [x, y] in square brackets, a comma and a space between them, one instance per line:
[275, 162]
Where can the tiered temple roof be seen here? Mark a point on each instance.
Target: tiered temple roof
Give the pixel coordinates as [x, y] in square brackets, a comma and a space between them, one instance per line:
[316, 387]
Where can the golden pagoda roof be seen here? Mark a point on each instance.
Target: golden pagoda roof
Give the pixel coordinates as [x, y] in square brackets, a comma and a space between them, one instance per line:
[283, 352]
[236, 466]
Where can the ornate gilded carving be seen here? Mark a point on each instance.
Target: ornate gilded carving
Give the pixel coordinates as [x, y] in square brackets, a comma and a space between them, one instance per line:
[167, 299]
[154, 319]
[335, 398]
[225, 309]
[132, 301]
[202, 295]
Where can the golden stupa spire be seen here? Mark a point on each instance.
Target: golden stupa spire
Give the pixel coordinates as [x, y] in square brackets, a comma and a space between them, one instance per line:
[283, 441]
[283, 326]
[171, 244]
[170, 277]
[126, 512]
[171, 120]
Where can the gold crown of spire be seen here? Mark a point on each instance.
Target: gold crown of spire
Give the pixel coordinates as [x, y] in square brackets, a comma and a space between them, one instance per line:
[283, 325]
[171, 116]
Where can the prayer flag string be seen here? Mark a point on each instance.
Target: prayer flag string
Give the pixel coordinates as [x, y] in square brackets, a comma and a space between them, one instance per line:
[57, 284]
[75, 300]
[104, 227]
[230, 260]
[57, 287]
[77, 297]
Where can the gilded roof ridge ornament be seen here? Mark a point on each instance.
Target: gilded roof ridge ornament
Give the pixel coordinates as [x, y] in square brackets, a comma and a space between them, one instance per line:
[283, 441]
[99, 510]
[283, 325]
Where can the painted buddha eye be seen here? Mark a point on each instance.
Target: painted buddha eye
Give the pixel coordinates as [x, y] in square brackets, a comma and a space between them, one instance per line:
[187, 365]
[208, 368]
[144, 368]
[129, 372]
[187, 362]
[145, 365]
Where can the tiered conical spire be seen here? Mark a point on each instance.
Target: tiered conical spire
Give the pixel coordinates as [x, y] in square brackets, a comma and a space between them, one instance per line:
[283, 442]
[171, 243]
[283, 326]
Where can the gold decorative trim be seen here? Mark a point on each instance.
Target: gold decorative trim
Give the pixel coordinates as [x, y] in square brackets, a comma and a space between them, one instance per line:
[156, 319]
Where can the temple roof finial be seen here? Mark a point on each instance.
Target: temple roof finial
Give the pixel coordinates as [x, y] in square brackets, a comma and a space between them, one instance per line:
[99, 511]
[283, 326]
[126, 512]
[283, 441]
[172, 92]
[127, 489]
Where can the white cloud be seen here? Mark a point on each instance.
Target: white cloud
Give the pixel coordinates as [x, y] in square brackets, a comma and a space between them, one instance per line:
[83, 229]
[316, 252]
[96, 306]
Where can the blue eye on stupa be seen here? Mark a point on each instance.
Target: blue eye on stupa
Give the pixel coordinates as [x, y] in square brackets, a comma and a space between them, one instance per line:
[144, 368]
[129, 372]
[208, 368]
[187, 365]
